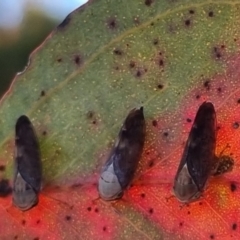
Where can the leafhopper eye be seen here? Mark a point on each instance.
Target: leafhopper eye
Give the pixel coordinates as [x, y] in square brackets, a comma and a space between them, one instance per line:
[198, 157]
[27, 165]
[119, 169]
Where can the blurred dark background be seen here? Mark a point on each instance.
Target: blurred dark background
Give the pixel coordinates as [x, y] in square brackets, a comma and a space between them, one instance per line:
[24, 24]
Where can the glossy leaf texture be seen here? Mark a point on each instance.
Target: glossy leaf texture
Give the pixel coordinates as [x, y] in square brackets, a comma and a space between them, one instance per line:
[105, 59]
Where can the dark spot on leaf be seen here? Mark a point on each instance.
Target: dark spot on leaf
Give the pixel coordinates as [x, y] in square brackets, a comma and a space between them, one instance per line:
[117, 68]
[5, 188]
[155, 41]
[189, 120]
[59, 60]
[57, 151]
[68, 218]
[152, 23]
[197, 96]
[44, 133]
[151, 163]
[117, 52]
[36, 238]
[96, 210]
[161, 62]
[212, 236]
[188, 212]
[233, 187]
[77, 60]
[57, 187]
[238, 101]
[219, 89]
[138, 73]
[38, 221]
[181, 224]
[104, 229]
[218, 128]
[148, 2]
[187, 22]
[94, 122]
[150, 210]
[42, 93]
[89, 209]
[112, 23]
[23, 222]
[206, 84]
[165, 134]
[90, 114]
[154, 123]
[160, 86]
[234, 226]
[65, 22]
[16, 237]
[200, 203]
[142, 195]
[236, 125]
[2, 168]
[211, 14]
[217, 52]
[132, 64]
[191, 11]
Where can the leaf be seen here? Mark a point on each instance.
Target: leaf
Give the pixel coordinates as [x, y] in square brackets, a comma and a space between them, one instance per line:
[103, 60]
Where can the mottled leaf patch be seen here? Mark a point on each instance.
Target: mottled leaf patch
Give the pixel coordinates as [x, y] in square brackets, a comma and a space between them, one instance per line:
[207, 85]
[218, 52]
[118, 52]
